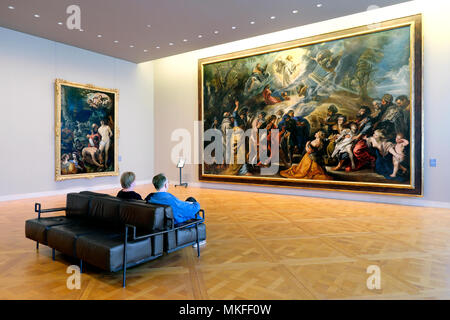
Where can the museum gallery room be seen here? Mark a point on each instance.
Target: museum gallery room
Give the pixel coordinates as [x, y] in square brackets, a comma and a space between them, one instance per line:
[224, 150]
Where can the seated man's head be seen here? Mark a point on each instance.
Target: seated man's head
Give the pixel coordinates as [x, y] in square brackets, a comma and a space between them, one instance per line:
[161, 182]
[127, 180]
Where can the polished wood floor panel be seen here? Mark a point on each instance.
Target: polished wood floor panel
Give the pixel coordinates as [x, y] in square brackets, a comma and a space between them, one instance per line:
[259, 246]
[341, 280]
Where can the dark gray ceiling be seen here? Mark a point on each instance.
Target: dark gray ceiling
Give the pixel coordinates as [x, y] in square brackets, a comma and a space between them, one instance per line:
[171, 21]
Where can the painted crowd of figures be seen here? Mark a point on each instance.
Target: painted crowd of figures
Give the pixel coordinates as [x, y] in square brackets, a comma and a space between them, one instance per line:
[92, 156]
[375, 138]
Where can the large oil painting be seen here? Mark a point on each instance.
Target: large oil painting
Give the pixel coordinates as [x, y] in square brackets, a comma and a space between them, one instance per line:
[86, 131]
[339, 111]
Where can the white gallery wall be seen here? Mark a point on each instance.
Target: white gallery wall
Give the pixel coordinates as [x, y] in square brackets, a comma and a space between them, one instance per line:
[176, 99]
[28, 68]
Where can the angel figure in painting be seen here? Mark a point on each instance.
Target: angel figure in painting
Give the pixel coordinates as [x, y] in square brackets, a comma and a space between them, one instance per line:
[398, 154]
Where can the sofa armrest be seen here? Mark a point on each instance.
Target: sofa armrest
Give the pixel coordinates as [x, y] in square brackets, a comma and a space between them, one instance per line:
[39, 210]
[134, 237]
[145, 236]
[174, 226]
[203, 213]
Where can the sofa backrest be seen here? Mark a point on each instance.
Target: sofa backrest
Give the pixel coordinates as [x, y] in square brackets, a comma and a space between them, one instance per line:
[77, 205]
[105, 211]
[111, 211]
[145, 217]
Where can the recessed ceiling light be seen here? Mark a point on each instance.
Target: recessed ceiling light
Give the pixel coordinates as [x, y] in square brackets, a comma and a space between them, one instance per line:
[158, 47]
[319, 5]
[116, 41]
[200, 36]
[149, 26]
[36, 16]
[272, 17]
[185, 40]
[216, 32]
[81, 30]
[131, 46]
[171, 44]
[145, 50]
[234, 28]
[252, 22]
[294, 11]
[99, 36]
[60, 23]
[11, 7]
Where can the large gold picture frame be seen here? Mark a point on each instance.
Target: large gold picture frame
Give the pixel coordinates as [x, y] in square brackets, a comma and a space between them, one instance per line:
[375, 66]
[86, 131]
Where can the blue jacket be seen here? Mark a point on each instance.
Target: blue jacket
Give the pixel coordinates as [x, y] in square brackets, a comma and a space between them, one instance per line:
[182, 210]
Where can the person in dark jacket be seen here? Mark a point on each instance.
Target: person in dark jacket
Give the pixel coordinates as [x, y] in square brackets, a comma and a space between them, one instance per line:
[127, 180]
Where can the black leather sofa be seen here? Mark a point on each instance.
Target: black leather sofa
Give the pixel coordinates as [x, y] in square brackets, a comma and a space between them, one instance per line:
[113, 234]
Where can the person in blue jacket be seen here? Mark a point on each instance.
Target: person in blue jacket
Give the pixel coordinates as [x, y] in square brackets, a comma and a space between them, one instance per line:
[182, 210]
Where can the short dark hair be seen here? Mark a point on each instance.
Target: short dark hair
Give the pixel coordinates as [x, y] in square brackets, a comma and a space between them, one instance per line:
[127, 179]
[271, 118]
[333, 109]
[402, 98]
[388, 98]
[159, 180]
[365, 108]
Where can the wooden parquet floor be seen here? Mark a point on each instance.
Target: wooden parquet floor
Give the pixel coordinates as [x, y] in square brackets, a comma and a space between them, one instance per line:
[259, 246]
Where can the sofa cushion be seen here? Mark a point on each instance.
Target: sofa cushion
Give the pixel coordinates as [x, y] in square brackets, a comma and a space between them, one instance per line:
[187, 235]
[77, 205]
[106, 252]
[157, 245]
[64, 237]
[36, 229]
[105, 211]
[145, 217]
[96, 194]
[181, 237]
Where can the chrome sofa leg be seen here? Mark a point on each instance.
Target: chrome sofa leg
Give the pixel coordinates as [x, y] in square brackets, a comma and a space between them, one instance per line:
[198, 242]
